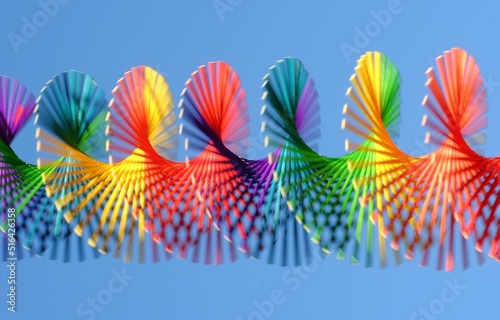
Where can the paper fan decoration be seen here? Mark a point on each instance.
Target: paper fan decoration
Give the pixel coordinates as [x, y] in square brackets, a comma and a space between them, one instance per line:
[415, 196]
[323, 195]
[39, 227]
[108, 174]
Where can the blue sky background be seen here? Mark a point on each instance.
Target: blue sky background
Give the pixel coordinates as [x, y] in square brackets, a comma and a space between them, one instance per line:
[107, 38]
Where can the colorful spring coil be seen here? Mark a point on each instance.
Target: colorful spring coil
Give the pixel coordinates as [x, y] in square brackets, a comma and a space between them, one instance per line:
[107, 169]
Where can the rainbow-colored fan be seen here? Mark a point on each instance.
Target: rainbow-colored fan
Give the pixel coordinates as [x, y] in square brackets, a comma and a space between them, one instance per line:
[109, 171]
[38, 225]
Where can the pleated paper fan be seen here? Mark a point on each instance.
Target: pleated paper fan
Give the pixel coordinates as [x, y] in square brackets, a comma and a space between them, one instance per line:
[107, 179]
[457, 103]
[77, 119]
[291, 113]
[213, 100]
[37, 225]
[291, 96]
[144, 131]
[16, 105]
[414, 195]
[292, 121]
[109, 203]
[214, 105]
[457, 107]
[143, 115]
[71, 115]
[218, 206]
[458, 96]
[375, 93]
[322, 192]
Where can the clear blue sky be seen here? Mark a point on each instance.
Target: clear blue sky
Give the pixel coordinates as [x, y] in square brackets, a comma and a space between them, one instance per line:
[107, 38]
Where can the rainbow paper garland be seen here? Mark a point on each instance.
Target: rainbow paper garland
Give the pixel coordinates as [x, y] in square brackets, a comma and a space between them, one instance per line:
[110, 176]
